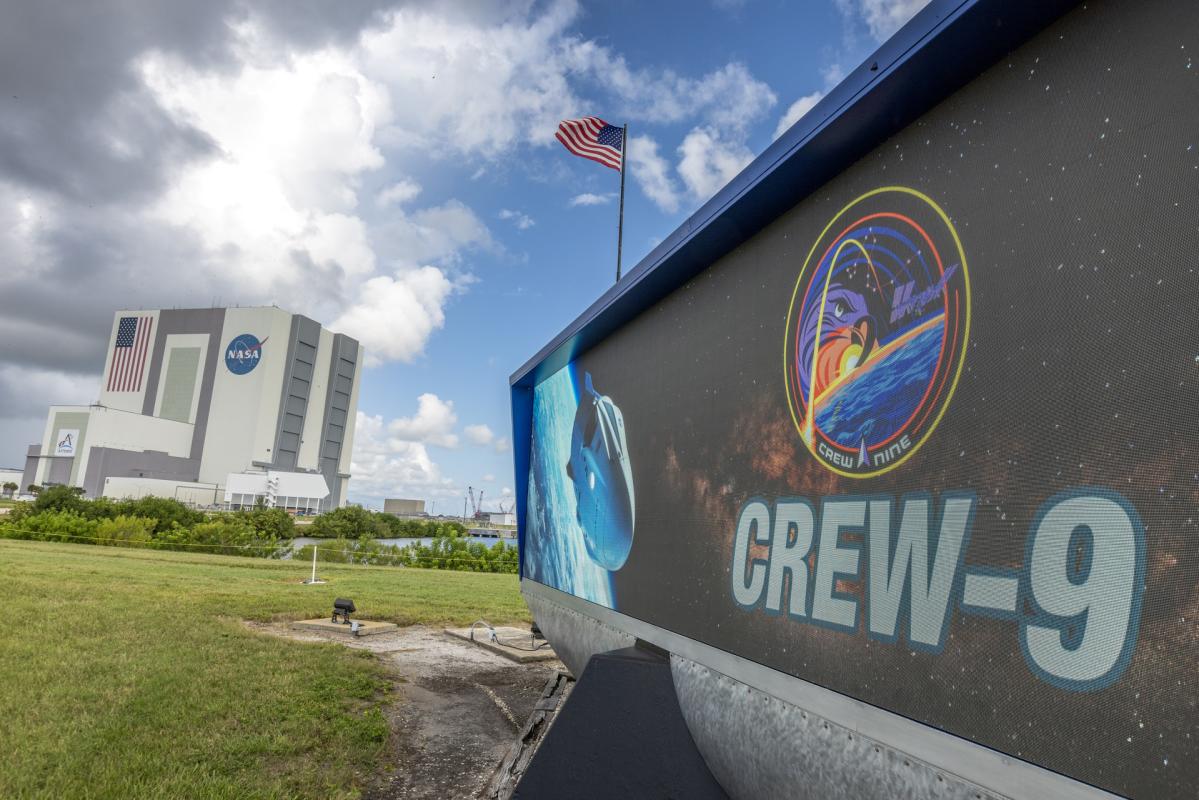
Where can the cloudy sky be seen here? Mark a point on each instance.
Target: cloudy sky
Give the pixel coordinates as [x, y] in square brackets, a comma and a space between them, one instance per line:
[388, 169]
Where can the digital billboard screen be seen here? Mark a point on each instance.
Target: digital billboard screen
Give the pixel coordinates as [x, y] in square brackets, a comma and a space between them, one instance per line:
[931, 438]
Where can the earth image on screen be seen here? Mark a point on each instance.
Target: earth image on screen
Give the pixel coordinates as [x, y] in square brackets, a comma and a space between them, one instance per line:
[874, 400]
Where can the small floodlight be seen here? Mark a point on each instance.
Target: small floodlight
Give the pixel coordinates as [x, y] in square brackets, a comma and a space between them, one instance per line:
[343, 607]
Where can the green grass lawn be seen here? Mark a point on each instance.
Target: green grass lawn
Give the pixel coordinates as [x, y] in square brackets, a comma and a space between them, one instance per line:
[128, 673]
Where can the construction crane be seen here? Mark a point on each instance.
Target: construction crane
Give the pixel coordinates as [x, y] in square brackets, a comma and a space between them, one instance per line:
[476, 506]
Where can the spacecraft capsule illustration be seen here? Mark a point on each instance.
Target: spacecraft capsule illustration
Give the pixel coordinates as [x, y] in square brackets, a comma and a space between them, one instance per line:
[603, 478]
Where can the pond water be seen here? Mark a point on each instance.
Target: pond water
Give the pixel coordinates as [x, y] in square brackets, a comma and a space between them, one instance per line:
[302, 541]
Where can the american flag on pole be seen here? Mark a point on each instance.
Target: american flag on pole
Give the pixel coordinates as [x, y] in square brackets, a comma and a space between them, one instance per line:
[591, 137]
[129, 354]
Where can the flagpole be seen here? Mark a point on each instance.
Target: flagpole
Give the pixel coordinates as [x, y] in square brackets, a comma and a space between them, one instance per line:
[624, 150]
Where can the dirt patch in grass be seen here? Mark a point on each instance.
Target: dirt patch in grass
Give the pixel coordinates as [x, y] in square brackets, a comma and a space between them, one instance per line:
[457, 709]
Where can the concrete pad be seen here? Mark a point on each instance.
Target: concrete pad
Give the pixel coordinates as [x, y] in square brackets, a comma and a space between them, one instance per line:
[511, 640]
[452, 711]
[366, 627]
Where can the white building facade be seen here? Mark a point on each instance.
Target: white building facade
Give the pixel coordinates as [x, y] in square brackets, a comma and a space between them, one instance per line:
[191, 396]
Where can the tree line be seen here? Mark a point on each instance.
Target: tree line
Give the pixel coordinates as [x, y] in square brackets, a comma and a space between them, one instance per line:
[348, 534]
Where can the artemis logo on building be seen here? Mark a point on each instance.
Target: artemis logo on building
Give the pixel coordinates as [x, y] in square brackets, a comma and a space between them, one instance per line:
[66, 442]
[244, 353]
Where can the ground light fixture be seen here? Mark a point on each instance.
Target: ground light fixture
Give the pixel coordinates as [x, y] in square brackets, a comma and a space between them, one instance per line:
[343, 607]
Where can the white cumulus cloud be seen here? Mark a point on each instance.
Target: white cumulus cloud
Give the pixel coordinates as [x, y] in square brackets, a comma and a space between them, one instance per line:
[398, 193]
[729, 97]
[652, 172]
[478, 434]
[437, 234]
[881, 17]
[478, 79]
[707, 161]
[518, 218]
[796, 111]
[590, 199]
[394, 315]
[384, 465]
[433, 423]
[277, 212]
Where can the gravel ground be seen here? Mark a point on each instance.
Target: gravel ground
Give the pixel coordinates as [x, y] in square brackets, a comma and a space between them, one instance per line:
[458, 709]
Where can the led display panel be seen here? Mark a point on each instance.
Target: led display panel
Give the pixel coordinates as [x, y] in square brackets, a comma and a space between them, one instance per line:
[930, 438]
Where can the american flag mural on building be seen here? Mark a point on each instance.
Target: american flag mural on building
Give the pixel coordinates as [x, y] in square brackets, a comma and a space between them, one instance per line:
[129, 354]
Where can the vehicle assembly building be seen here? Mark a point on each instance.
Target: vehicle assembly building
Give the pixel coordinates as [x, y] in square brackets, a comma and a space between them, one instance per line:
[193, 397]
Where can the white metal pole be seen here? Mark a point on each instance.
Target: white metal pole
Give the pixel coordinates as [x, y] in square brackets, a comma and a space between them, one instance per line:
[314, 562]
[624, 149]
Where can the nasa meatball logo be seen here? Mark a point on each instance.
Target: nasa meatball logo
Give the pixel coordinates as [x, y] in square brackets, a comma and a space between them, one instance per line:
[876, 332]
[243, 353]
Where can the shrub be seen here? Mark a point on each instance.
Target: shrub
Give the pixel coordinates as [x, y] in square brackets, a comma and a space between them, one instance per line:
[102, 508]
[271, 523]
[455, 552]
[17, 513]
[447, 528]
[230, 532]
[49, 526]
[399, 528]
[354, 522]
[229, 535]
[122, 531]
[331, 551]
[419, 528]
[166, 512]
[59, 498]
[349, 522]
[355, 551]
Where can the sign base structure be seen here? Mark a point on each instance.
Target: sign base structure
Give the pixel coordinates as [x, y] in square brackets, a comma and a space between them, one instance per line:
[621, 734]
[365, 627]
[786, 730]
[513, 644]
